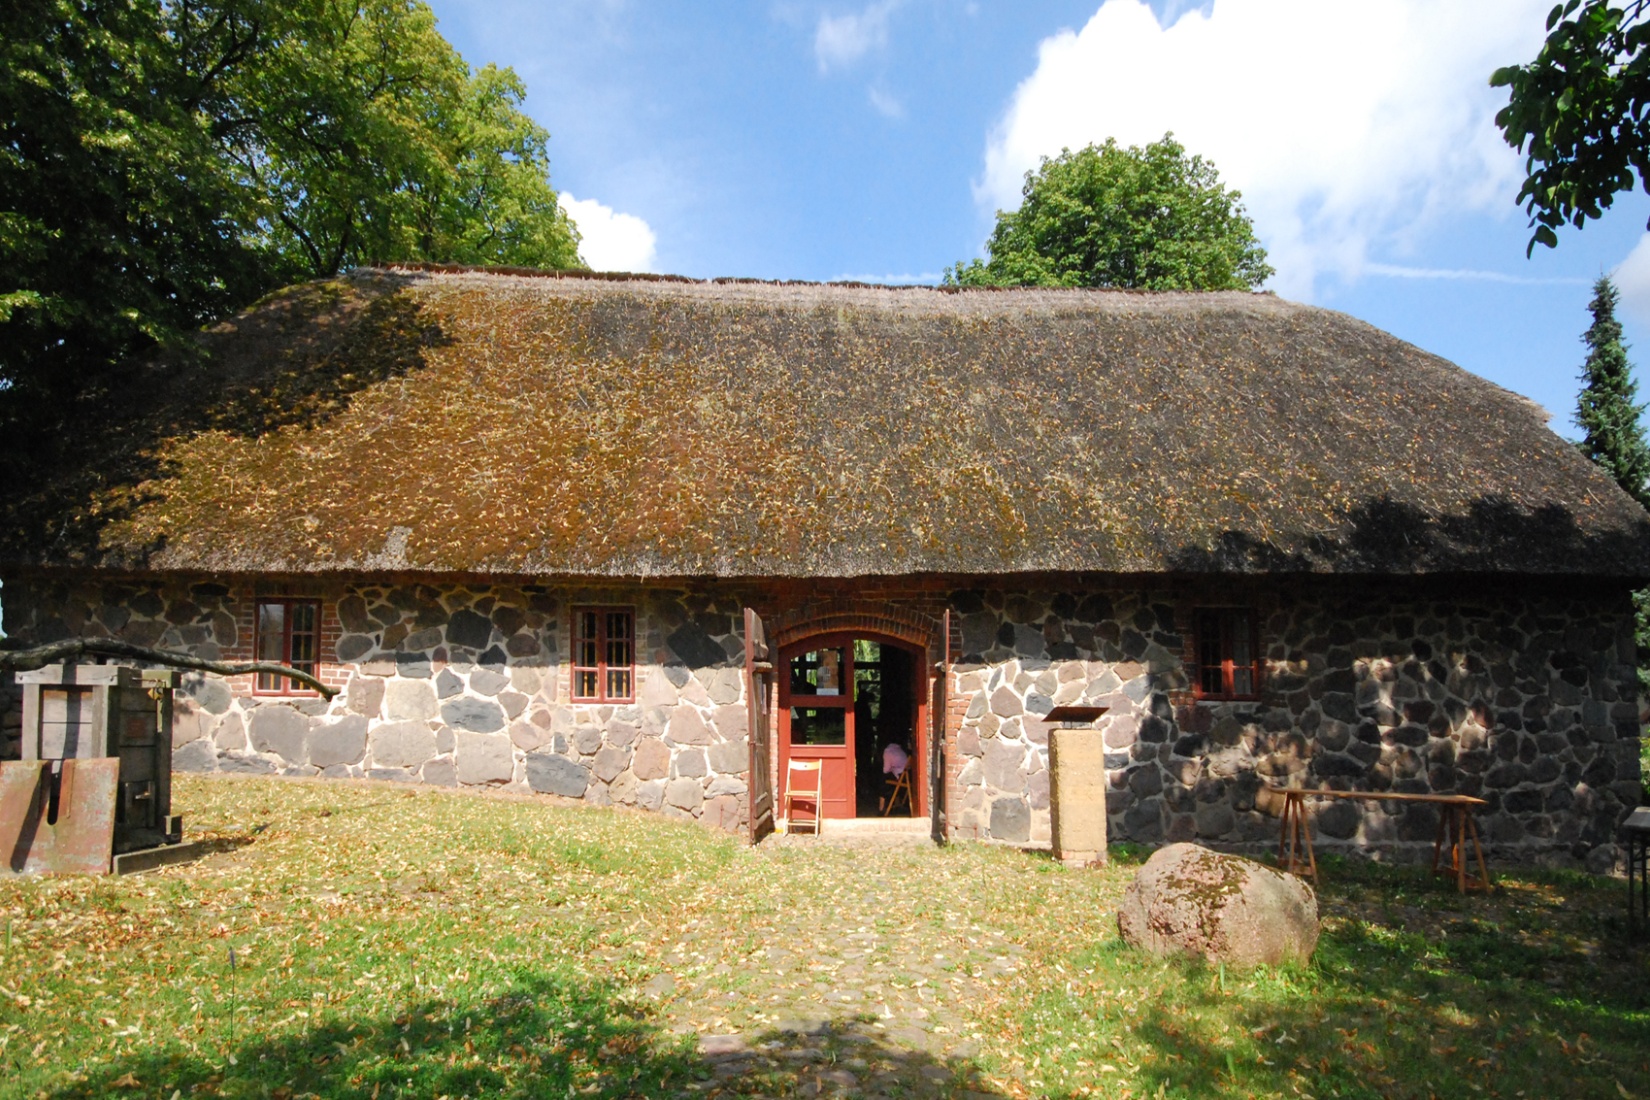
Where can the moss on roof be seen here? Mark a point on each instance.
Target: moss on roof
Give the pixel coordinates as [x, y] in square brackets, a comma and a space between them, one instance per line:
[486, 422]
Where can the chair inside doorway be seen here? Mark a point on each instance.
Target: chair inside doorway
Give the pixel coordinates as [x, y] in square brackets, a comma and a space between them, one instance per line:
[884, 709]
[846, 702]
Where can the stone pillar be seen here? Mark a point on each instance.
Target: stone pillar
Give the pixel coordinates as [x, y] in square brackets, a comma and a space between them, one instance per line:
[1077, 796]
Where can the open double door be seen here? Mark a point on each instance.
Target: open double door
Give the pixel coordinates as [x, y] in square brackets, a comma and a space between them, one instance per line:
[842, 699]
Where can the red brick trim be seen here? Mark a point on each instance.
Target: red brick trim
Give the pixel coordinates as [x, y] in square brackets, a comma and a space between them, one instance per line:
[855, 617]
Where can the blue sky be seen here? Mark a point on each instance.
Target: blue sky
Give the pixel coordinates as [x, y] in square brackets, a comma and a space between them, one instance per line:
[820, 140]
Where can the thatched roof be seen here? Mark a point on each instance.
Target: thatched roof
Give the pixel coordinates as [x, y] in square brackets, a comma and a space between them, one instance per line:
[449, 421]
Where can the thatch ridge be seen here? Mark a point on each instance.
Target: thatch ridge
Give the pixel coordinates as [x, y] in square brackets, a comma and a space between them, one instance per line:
[466, 421]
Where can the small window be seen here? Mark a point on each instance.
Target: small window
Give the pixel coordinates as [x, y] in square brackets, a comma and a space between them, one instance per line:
[604, 654]
[1227, 662]
[289, 633]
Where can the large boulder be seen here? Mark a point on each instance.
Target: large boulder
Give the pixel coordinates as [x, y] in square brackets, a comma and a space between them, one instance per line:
[1189, 900]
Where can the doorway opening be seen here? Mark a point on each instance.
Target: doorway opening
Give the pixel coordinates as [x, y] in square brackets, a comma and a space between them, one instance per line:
[857, 704]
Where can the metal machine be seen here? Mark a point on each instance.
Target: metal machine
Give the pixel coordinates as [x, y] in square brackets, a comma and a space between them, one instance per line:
[95, 780]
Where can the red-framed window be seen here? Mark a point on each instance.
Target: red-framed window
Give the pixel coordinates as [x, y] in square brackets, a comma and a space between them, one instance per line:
[289, 633]
[604, 654]
[1228, 653]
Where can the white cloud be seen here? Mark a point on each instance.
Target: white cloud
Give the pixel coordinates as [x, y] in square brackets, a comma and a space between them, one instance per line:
[924, 278]
[843, 39]
[886, 103]
[1349, 127]
[1632, 278]
[611, 241]
[1400, 271]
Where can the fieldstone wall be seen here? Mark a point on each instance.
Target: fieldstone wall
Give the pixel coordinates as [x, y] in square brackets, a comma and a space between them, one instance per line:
[1521, 693]
[1525, 699]
[450, 685]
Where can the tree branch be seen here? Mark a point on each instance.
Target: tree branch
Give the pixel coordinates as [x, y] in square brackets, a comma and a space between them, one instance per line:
[26, 660]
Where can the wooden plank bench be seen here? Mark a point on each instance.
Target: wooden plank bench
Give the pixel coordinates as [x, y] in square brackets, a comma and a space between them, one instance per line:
[1456, 828]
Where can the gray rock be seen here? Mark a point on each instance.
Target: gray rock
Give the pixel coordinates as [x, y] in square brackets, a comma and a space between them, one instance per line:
[725, 784]
[439, 772]
[365, 695]
[726, 686]
[684, 794]
[1005, 704]
[587, 740]
[513, 702]
[353, 647]
[610, 761]
[484, 758]
[731, 756]
[687, 727]
[650, 795]
[340, 742]
[466, 628]
[400, 744]
[732, 722]
[409, 699]
[548, 773]
[244, 765]
[231, 735]
[196, 756]
[417, 642]
[652, 759]
[474, 715]
[695, 647]
[1189, 900]
[279, 730]
[212, 694]
[691, 762]
[1005, 763]
[448, 684]
[484, 681]
[623, 789]
[1010, 819]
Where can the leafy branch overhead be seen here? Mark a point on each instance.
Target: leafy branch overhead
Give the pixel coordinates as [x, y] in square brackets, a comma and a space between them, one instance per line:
[1581, 113]
[71, 649]
[1107, 216]
[163, 164]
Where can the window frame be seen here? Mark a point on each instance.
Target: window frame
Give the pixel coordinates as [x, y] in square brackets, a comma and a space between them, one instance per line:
[286, 686]
[1224, 617]
[603, 667]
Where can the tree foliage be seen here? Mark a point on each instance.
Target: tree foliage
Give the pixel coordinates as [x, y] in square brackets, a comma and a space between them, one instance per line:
[164, 162]
[1606, 408]
[1108, 216]
[1581, 112]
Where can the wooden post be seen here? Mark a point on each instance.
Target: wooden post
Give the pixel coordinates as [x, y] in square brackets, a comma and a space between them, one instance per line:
[1077, 796]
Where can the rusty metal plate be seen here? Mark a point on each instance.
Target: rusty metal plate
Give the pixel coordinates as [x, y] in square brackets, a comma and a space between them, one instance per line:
[81, 838]
[20, 789]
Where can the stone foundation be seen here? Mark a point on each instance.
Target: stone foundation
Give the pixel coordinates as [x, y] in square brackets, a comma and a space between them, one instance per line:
[1519, 692]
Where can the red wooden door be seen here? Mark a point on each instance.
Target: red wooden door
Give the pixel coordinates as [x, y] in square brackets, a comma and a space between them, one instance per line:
[816, 717]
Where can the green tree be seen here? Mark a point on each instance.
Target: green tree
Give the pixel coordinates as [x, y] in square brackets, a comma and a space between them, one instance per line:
[1581, 110]
[1108, 216]
[165, 162]
[1610, 416]
[1606, 409]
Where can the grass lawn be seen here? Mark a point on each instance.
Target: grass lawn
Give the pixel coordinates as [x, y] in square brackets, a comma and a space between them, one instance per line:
[400, 942]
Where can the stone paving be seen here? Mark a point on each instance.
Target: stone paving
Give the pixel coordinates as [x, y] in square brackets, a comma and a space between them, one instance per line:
[873, 984]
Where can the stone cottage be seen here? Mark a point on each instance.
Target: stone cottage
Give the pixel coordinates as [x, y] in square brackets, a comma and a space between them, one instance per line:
[644, 541]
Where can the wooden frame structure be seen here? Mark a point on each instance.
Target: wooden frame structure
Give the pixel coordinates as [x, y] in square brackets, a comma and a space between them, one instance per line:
[1456, 828]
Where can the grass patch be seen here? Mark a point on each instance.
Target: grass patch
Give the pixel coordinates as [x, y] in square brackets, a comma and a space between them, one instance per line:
[394, 942]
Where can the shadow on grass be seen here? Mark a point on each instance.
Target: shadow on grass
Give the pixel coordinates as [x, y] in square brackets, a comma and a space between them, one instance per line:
[533, 1035]
[1426, 993]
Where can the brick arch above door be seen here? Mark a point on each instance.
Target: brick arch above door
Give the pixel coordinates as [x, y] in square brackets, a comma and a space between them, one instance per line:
[903, 624]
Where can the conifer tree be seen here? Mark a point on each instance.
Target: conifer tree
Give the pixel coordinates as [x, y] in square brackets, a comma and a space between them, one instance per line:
[1615, 440]
[1606, 409]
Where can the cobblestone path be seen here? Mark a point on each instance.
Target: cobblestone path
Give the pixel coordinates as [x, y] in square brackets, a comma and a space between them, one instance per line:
[869, 979]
